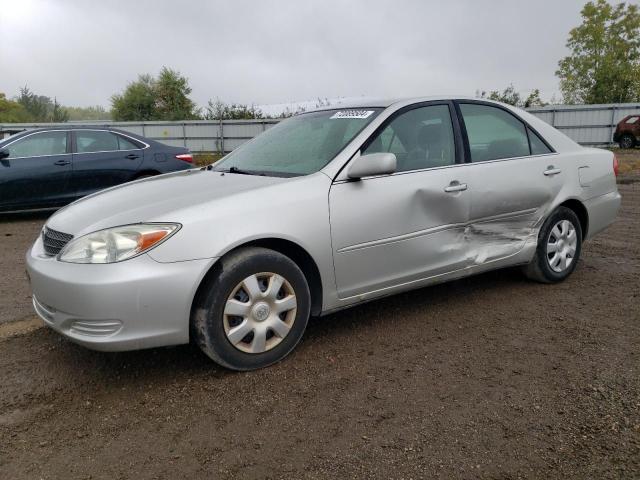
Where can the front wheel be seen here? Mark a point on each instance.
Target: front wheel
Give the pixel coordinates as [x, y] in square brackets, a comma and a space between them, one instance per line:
[254, 312]
[627, 141]
[559, 246]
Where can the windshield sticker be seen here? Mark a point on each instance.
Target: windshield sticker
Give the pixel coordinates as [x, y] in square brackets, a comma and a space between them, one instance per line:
[352, 114]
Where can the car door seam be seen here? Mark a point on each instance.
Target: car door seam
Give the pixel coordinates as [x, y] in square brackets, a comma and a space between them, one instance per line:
[429, 231]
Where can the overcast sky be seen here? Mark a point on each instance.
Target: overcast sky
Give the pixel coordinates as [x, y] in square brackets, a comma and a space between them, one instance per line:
[267, 52]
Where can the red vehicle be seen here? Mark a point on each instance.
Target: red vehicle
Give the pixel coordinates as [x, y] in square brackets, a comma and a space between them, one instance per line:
[627, 133]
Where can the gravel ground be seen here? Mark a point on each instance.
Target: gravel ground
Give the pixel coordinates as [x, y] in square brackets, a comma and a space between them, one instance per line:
[486, 377]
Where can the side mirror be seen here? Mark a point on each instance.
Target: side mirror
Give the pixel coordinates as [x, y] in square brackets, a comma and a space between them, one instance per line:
[4, 153]
[371, 165]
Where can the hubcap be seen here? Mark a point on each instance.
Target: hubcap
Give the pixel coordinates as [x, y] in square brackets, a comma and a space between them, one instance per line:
[561, 246]
[260, 312]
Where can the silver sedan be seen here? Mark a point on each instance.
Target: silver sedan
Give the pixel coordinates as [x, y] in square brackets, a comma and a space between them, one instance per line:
[324, 211]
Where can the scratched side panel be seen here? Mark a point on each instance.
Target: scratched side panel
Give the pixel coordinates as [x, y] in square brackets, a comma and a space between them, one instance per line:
[509, 201]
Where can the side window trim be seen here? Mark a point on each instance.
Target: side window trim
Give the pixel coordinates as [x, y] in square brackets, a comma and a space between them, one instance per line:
[118, 135]
[454, 125]
[526, 131]
[527, 127]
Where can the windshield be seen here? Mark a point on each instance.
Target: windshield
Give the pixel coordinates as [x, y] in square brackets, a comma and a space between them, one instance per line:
[300, 145]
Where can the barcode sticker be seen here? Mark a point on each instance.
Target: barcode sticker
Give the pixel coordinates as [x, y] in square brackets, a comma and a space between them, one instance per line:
[352, 114]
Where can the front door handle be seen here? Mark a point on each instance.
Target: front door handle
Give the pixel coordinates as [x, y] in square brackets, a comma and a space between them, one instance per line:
[455, 186]
[132, 156]
[551, 170]
[62, 162]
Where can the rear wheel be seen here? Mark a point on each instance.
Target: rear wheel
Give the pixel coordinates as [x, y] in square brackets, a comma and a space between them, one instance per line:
[627, 141]
[254, 312]
[559, 246]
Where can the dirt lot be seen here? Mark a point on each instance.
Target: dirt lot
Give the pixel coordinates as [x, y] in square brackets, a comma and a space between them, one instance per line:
[487, 377]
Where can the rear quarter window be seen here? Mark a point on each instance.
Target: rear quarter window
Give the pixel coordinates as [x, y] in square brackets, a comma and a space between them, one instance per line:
[538, 147]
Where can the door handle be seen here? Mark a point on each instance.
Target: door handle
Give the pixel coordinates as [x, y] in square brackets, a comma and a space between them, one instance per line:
[132, 156]
[551, 170]
[62, 162]
[455, 186]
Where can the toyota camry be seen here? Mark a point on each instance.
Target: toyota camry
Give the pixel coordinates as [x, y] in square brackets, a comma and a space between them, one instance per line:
[324, 211]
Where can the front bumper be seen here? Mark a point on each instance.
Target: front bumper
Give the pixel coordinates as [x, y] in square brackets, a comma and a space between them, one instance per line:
[138, 303]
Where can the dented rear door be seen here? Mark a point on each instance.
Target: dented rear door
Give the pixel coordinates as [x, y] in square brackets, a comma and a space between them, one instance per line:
[510, 189]
[509, 199]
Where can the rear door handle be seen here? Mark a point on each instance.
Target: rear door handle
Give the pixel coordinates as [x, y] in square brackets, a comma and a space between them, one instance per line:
[132, 156]
[62, 162]
[455, 186]
[551, 170]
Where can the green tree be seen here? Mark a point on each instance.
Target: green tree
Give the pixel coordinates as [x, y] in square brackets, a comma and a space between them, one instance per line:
[38, 106]
[41, 108]
[12, 112]
[148, 98]
[508, 95]
[533, 99]
[172, 97]
[137, 102]
[604, 63]
[512, 97]
[97, 112]
[58, 112]
[218, 110]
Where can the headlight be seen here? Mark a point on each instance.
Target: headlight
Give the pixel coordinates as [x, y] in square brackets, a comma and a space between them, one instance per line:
[116, 244]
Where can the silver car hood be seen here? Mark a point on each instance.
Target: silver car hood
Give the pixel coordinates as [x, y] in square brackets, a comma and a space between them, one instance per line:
[157, 199]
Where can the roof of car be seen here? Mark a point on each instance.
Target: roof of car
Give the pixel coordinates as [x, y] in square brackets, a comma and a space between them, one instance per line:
[72, 126]
[387, 102]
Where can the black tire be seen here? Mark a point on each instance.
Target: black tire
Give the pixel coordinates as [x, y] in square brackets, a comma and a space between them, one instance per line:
[207, 322]
[539, 269]
[627, 141]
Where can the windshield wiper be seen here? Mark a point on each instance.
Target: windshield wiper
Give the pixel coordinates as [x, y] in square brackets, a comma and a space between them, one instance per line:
[240, 171]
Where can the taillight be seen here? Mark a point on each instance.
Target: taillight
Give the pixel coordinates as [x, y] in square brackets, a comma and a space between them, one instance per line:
[185, 157]
[616, 165]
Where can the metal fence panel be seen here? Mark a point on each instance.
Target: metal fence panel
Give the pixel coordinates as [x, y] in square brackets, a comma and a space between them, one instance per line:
[585, 124]
[233, 143]
[159, 132]
[203, 131]
[203, 145]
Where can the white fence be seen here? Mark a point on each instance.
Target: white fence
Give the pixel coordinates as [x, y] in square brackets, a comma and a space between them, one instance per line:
[586, 124]
[196, 135]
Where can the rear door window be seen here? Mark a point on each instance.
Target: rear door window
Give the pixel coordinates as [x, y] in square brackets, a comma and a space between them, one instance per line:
[95, 141]
[493, 133]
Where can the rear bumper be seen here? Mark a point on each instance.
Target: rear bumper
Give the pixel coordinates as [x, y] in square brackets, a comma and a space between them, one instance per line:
[602, 212]
[138, 303]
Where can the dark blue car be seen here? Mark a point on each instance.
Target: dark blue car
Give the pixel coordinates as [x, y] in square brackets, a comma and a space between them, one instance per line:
[50, 167]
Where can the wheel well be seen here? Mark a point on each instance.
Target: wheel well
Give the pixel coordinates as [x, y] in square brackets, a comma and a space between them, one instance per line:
[302, 258]
[142, 173]
[581, 212]
[290, 249]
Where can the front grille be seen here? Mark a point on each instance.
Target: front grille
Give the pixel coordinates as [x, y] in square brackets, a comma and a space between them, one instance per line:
[54, 241]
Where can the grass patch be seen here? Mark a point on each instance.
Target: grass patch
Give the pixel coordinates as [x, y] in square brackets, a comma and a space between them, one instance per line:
[628, 158]
[202, 159]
